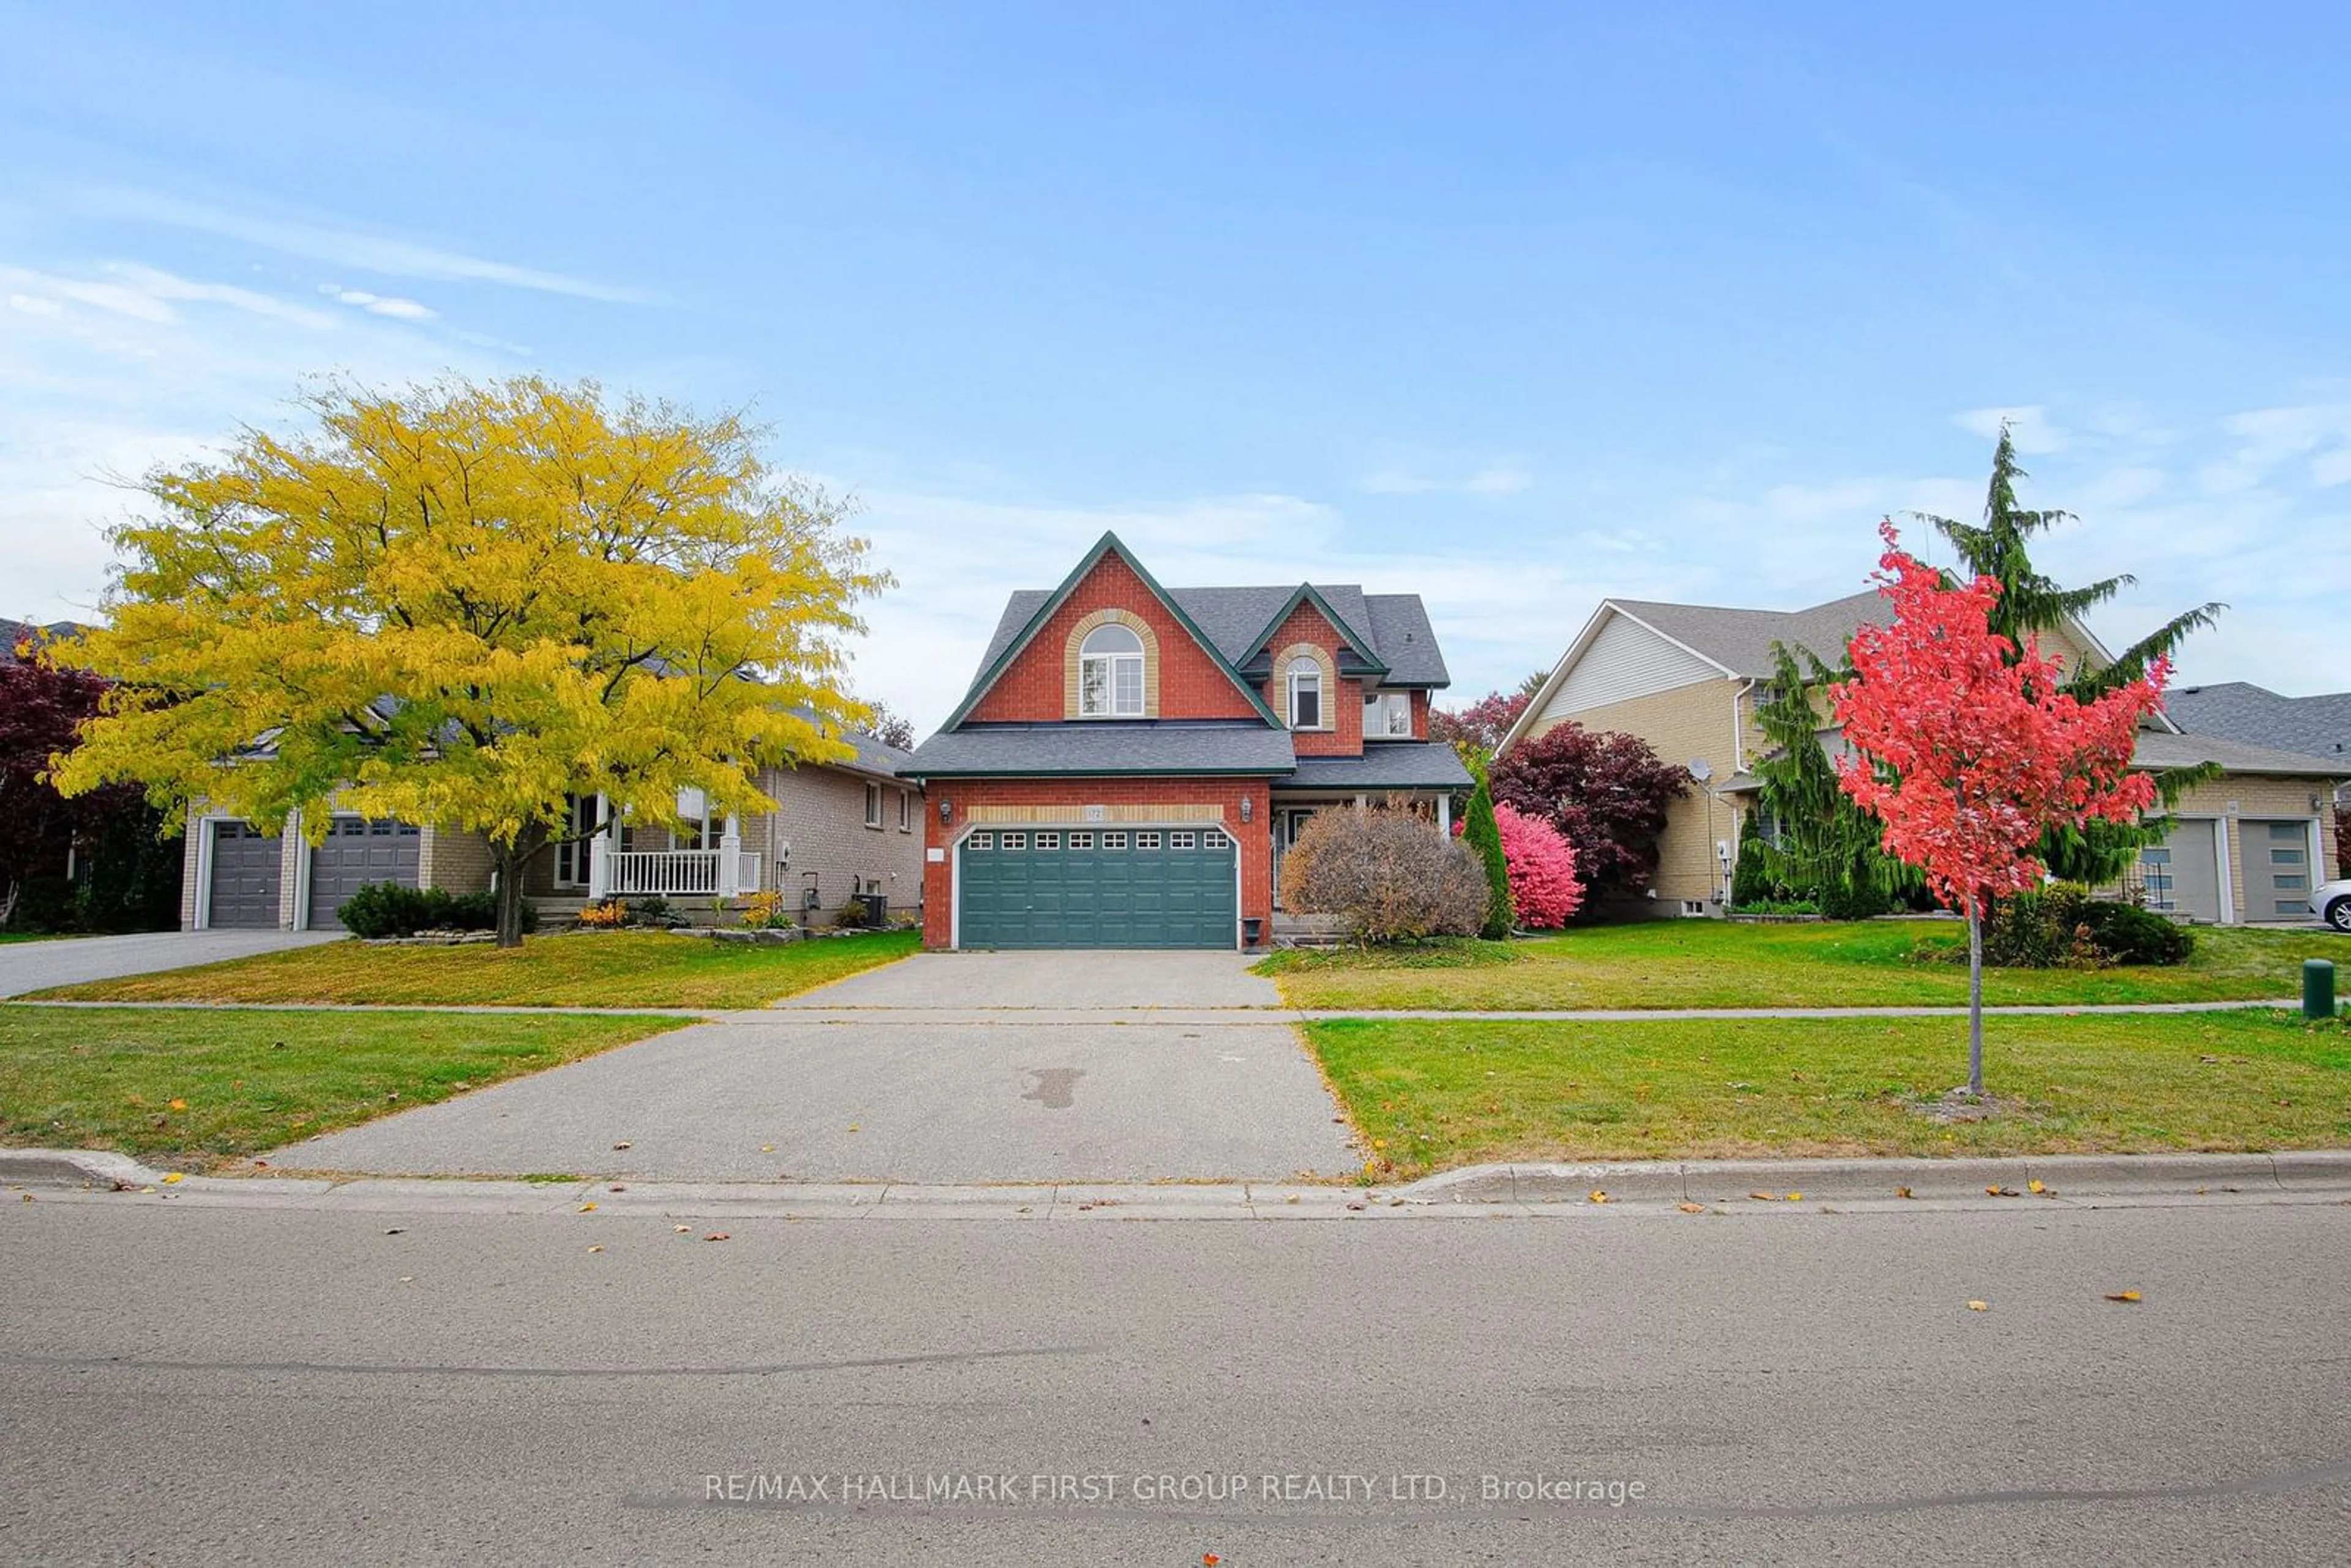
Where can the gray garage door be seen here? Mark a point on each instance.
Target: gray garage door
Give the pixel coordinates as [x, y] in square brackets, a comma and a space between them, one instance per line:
[247, 868]
[1128, 887]
[358, 851]
[2183, 872]
[2277, 869]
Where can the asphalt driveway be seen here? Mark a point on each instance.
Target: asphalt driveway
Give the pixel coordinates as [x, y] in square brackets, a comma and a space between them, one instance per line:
[952, 1068]
[71, 960]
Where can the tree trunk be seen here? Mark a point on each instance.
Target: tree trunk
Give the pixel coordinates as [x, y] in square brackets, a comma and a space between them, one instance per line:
[508, 860]
[1975, 998]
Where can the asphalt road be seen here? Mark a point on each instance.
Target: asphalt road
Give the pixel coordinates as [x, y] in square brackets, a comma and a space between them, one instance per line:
[194, 1385]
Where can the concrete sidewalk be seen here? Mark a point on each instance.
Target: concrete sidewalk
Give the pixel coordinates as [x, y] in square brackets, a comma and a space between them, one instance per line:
[1782, 1187]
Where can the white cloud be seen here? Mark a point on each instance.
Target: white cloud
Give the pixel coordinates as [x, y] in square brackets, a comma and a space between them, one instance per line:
[345, 245]
[143, 293]
[378, 304]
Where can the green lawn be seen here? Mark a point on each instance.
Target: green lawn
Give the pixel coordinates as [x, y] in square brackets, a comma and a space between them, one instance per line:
[1718, 963]
[196, 1087]
[612, 969]
[1435, 1095]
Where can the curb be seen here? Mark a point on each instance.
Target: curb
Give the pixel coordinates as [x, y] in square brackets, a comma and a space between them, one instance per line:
[1847, 1180]
[73, 1168]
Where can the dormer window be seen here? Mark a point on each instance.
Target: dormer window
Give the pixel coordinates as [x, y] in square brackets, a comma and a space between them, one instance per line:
[1305, 693]
[1109, 674]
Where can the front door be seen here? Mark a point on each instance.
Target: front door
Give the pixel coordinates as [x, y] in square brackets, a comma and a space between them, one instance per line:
[1288, 823]
[572, 855]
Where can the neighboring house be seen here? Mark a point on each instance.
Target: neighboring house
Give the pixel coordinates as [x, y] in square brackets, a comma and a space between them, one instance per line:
[1131, 762]
[839, 831]
[1688, 679]
[2316, 727]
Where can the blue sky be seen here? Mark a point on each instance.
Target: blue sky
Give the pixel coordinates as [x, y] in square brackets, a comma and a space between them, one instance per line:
[1515, 306]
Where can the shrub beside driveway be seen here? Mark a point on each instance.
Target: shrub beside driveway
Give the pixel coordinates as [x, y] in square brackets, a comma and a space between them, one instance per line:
[1718, 964]
[1437, 1094]
[198, 1086]
[617, 969]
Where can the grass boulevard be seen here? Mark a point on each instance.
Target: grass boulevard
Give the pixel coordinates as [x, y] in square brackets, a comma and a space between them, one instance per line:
[205, 1088]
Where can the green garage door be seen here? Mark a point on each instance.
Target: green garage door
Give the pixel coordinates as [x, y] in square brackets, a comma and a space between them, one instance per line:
[1132, 887]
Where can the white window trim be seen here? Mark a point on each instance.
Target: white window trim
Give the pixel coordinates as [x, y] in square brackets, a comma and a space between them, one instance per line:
[906, 810]
[874, 805]
[1382, 710]
[1303, 669]
[1112, 664]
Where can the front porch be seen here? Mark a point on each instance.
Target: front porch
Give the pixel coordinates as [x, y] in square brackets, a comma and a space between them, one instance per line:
[1293, 809]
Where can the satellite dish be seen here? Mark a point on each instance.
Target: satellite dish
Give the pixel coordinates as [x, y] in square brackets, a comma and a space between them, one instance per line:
[1700, 769]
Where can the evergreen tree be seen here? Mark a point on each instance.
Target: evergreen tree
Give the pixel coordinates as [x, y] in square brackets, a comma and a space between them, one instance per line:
[2099, 851]
[1829, 846]
[1484, 837]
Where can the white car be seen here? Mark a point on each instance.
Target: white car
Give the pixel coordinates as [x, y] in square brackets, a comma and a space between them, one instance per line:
[2332, 903]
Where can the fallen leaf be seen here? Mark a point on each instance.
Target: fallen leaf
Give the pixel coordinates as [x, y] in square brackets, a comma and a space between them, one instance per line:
[616, 1187]
[2123, 1296]
[396, 1230]
[855, 1128]
[2002, 1192]
[1691, 1207]
[767, 1148]
[1978, 1306]
[1291, 1198]
[2036, 1187]
[1209, 1560]
[1795, 1197]
[681, 1230]
[1764, 1197]
[1598, 1196]
[1356, 1205]
[261, 1164]
[28, 1197]
[715, 1236]
[624, 1145]
[179, 1104]
[408, 1279]
[585, 1207]
[1903, 1192]
[595, 1249]
[170, 1176]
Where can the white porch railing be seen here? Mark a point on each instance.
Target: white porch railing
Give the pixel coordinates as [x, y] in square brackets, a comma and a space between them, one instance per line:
[727, 871]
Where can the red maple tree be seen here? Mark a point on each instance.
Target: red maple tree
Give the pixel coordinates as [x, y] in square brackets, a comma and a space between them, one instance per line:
[1968, 750]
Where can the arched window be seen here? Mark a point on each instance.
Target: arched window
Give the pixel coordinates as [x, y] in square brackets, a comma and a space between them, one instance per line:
[1109, 674]
[1305, 693]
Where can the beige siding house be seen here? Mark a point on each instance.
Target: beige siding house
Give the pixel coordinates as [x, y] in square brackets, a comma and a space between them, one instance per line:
[1688, 678]
[838, 831]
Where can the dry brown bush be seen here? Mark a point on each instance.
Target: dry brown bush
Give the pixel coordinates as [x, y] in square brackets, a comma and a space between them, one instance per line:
[1387, 872]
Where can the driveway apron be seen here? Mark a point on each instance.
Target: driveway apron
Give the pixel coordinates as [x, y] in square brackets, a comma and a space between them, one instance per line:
[961, 1068]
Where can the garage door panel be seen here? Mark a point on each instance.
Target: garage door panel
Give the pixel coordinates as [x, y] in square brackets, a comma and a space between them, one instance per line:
[1055, 888]
[247, 869]
[356, 852]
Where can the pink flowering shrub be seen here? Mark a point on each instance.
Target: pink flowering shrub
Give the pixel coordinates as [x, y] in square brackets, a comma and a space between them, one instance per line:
[1543, 883]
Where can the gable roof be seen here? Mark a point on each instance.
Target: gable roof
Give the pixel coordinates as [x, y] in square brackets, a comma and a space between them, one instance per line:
[1390, 630]
[12, 633]
[1396, 627]
[1739, 641]
[1366, 660]
[2156, 749]
[2316, 727]
[1011, 638]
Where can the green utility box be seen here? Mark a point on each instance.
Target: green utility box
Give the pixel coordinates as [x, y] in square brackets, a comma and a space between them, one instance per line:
[2317, 989]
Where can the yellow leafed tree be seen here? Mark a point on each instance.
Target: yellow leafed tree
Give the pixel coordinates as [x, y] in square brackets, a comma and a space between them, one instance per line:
[459, 604]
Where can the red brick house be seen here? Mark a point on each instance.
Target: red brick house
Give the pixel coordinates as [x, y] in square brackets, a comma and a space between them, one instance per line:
[1132, 761]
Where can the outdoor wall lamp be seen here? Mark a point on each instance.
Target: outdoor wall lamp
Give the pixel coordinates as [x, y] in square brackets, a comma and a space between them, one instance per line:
[947, 812]
[1248, 807]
